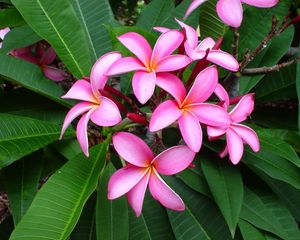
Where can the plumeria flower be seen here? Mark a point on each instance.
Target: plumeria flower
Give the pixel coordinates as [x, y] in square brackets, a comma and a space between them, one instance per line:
[149, 64]
[190, 109]
[143, 169]
[42, 58]
[236, 133]
[3, 32]
[231, 11]
[99, 109]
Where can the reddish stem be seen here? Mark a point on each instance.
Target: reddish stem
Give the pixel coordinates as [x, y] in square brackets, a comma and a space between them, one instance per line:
[117, 93]
[137, 118]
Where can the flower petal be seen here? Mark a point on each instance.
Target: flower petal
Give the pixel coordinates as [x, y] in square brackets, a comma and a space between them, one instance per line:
[164, 115]
[136, 195]
[173, 160]
[248, 135]
[166, 44]
[230, 12]
[54, 73]
[74, 112]
[99, 70]
[123, 180]
[191, 130]
[222, 95]
[132, 149]
[190, 33]
[3, 32]
[215, 132]
[206, 43]
[81, 90]
[125, 65]
[261, 3]
[172, 63]
[192, 7]
[48, 56]
[161, 29]
[192, 53]
[107, 114]
[210, 114]
[203, 87]
[235, 146]
[243, 109]
[223, 59]
[164, 194]
[171, 84]
[224, 152]
[138, 45]
[143, 85]
[81, 132]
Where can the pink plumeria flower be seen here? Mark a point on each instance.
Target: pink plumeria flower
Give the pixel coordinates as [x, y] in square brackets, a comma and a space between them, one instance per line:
[149, 64]
[231, 11]
[236, 133]
[99, 109]
[3, 32]
[143, 170]
[190, 109]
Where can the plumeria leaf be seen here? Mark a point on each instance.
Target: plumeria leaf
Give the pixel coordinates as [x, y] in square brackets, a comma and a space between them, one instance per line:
[249, 232]
[57, 207]
[10, 18]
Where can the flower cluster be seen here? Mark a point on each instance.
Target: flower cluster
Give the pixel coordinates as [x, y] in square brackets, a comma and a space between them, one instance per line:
[187, 106]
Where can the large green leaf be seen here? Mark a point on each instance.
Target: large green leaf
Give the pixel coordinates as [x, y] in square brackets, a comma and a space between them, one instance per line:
[138, 228]
[298, 92]
[58, 205]
[21, 183]
[249, 232]
[20, 136]
[111, 216]
[56, 22]
[93, 14]
[226, 185]
[155, 13]
[30, 76]
[10, 18]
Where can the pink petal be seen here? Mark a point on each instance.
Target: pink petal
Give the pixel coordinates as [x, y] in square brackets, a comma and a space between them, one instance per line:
[192, 53]
[164, 115]
[3, 32]
[203, 87]
[107, 114]
[74, 112]
[206, 43]
[173, 160]
[248, 135]
[171, 84]
[138, 45]
[123, 180]
[192, 7]
[81, 132]
[132, 149]
[224, 152]
[223, 59]
[48, 56]
[190, 130]
[124, 65]
[166, 44]
[243, 109]
[210, 114]
[261, 3]
[143, 85]
[164, 194]
[81, 90]
[54, 74]
[215, 132]
[222, 95]
[161, 29]
[98, 73]
[190, 33]
[235, 146]
[136, 195]
[172, 63]
[230, 12]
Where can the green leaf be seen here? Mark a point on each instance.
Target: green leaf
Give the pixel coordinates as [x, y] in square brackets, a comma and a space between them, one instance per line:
[20, 136]
[31, 77]
[21, 184]
[155, 14]
[210, 23]
[85, 228]
[298, 92]
[138, 228]
[249, 232]
[226, 185]
[56, 22]
[111, 215]
[19, 37]
[93, 14]
[58, 205]
[10, 18]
